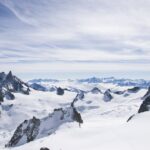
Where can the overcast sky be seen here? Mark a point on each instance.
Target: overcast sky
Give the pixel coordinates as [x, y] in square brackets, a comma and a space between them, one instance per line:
[75, 38]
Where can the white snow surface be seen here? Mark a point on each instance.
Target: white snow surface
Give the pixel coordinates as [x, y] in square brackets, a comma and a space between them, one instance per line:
[104, 127]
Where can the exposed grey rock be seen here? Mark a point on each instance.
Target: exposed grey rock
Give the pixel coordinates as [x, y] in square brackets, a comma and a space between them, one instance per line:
[134, 90]
[1, 96]
[119, 92]
[6, 107]
[96, 90]
[9, 95]
[44, 148]
[35, 128]
[107, 96]
[77, 116]
[147, 94]
[60, 91]
[2, 77]
[130, 118]
[79, 96]
[26, 91]
[25, 132]
[9, 84]
[38, 87]
[9, 76]
[52, 89]
[145, 106]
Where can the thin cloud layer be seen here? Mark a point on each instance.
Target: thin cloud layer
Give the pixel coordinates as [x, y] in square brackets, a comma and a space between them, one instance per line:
[86, 33]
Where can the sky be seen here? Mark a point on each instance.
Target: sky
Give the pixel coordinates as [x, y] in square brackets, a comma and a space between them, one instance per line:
[75, 38]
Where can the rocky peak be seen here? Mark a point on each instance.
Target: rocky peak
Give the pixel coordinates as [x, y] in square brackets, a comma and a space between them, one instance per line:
[9, 76]
[28, 130]
[60, 91]
[145, 106]
[107, 96]
[1, 96]
[44, 148]
[147, 94]
[35, 128]
[38, 87]
[96, 90]
[134, 90]
[9, 84]
[2, 76]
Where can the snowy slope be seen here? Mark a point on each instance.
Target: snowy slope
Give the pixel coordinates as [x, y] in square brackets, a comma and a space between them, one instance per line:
[104, 126]
[98, 134]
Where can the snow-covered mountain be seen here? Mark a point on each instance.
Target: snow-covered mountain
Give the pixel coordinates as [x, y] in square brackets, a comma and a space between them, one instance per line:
[119, 82]
[110, 80]
[10, 84]
[74, 115]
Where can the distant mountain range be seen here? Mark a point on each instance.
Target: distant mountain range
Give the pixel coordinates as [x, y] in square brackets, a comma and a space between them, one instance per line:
[120, 82]
[43, 109]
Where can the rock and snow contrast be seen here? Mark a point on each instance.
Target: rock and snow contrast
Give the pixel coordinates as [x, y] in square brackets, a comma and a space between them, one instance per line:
[87, 114]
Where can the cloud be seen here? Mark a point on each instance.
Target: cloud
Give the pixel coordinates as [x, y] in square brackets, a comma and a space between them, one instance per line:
[87, 33]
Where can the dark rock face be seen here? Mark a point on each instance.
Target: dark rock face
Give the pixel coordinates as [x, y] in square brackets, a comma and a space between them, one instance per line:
[9, 95]
[145, 106]
[130, 118]
[119, 92]
[96, 90]
[28, 130]
[52, 89]
[147, 94]
[1, 96]
[79, 96]
[134, 90]
[10, 83]
[9, 76]
[44, 148]
[13, 84]
[60, 91]
[35, 128]
[107, 96]
[2, 76]
[38, 87]
[77, 116]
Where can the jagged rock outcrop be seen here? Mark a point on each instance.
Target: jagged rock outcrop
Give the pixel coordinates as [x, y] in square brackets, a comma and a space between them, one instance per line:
[10, 84]
[134, 90]
[35, 128]
[25, 132]
[9, 95]
[147, 94]
[77, 116]
[1, 96]
[107, 96]
[119, 92]
[2, 77]
[38, 87]
[79, 96]
[96, 90]
[145, 106]
[44, 148]
[60, 91]
[14, 84]
[52, 89]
